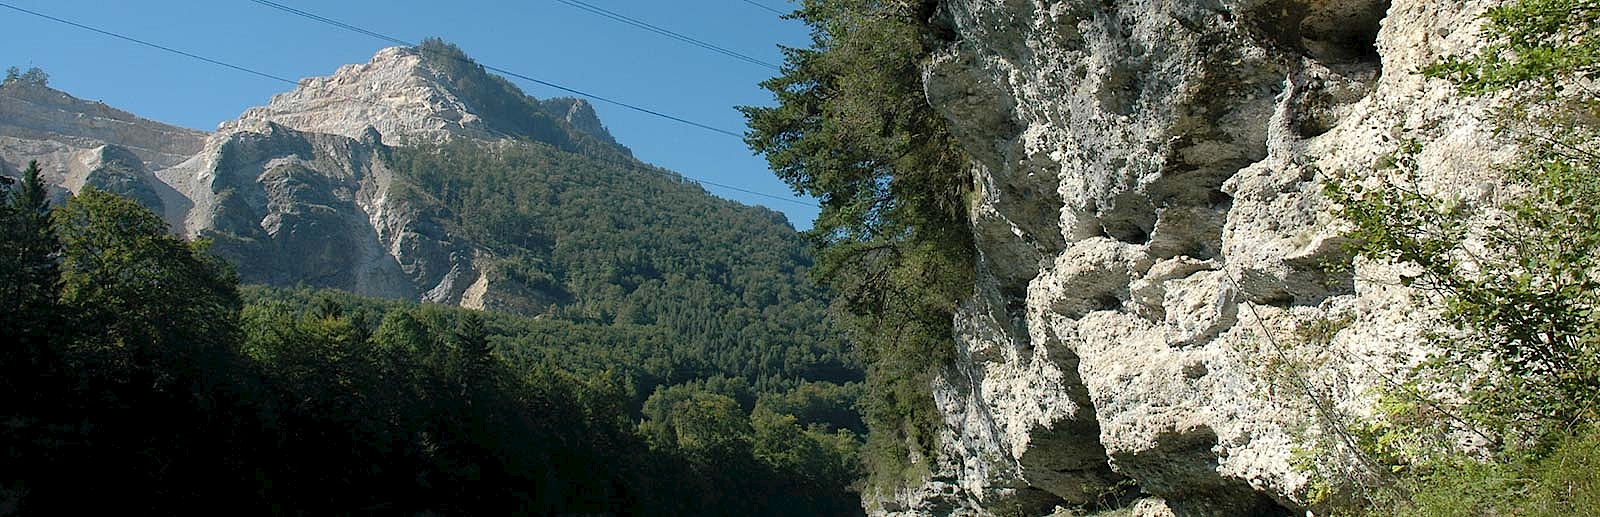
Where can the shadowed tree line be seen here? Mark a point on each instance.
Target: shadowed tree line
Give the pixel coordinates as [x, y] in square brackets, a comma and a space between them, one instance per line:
[135, 374]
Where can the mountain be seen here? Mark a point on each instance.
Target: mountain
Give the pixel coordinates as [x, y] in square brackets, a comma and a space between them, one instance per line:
[89, 143]
[420, 176]
[428, 94]
[625, 342]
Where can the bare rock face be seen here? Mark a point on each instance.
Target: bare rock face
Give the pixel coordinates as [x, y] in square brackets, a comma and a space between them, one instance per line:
[395, 94]
[579, 114]
[69, 137]
[427, 94]
[292, 207]
[1151, 230]
[295, 192]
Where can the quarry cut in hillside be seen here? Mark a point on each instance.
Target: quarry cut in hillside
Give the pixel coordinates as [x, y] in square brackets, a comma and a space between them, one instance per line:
[1152, 230]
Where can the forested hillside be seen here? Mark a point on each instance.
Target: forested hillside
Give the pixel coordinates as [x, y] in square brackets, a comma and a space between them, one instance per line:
[140, 370]
[618, 242]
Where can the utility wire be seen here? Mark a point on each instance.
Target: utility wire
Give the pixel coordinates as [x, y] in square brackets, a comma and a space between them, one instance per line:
[634, 164]
[149, 44]
[334, 22]
[580, 4]
[764, 6]
[502, 71]
[398, 41]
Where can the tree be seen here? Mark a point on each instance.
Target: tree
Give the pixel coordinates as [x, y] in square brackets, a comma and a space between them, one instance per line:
[708, 428]
[854, 128]
[31, 376]
[29, 284]
[33, 76]
[153, 305]
[29, 269]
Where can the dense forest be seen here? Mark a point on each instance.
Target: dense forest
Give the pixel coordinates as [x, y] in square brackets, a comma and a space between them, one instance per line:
[142, 370]
[611, 242]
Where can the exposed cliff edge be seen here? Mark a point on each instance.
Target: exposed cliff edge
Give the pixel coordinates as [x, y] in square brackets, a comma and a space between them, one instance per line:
[1151, 226]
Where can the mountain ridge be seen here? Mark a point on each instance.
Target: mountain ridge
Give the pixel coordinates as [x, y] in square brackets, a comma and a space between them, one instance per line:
[428, 93]
[305, 190]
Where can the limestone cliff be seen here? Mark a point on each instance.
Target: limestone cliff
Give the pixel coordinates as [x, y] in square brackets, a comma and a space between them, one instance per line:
[1152, 231]
[292, 207]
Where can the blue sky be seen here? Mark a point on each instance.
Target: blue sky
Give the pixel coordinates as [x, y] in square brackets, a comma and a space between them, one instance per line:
[544, 39]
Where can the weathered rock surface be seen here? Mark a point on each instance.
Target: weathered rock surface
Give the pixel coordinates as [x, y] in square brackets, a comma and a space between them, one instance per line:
[1152, 231]
[293, 207]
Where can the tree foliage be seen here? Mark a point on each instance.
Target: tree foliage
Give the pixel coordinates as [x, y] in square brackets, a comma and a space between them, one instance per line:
[1525, 347]
[620, 243]
[33, 76]
[853, 128]
[28, 270]
[155, 303]
[158, 385]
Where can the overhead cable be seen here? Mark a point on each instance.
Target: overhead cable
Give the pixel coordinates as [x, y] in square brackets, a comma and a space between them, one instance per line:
[764, 6]
[635, 164]
[149, 44]
[502, 71]
[580, 4]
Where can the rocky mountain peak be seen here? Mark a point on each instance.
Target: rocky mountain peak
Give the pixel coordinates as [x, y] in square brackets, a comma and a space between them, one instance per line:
[394, 94]
[581, 115]
[428, 93]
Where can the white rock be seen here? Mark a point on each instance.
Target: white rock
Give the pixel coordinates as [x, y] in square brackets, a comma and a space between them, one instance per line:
[1183, 238]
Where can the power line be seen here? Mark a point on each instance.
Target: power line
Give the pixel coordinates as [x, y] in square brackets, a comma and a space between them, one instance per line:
[764, 6]
[398, 41]
[502, 71]
[580, 4]
[149, 44]
[634, 164]
[334, 22]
